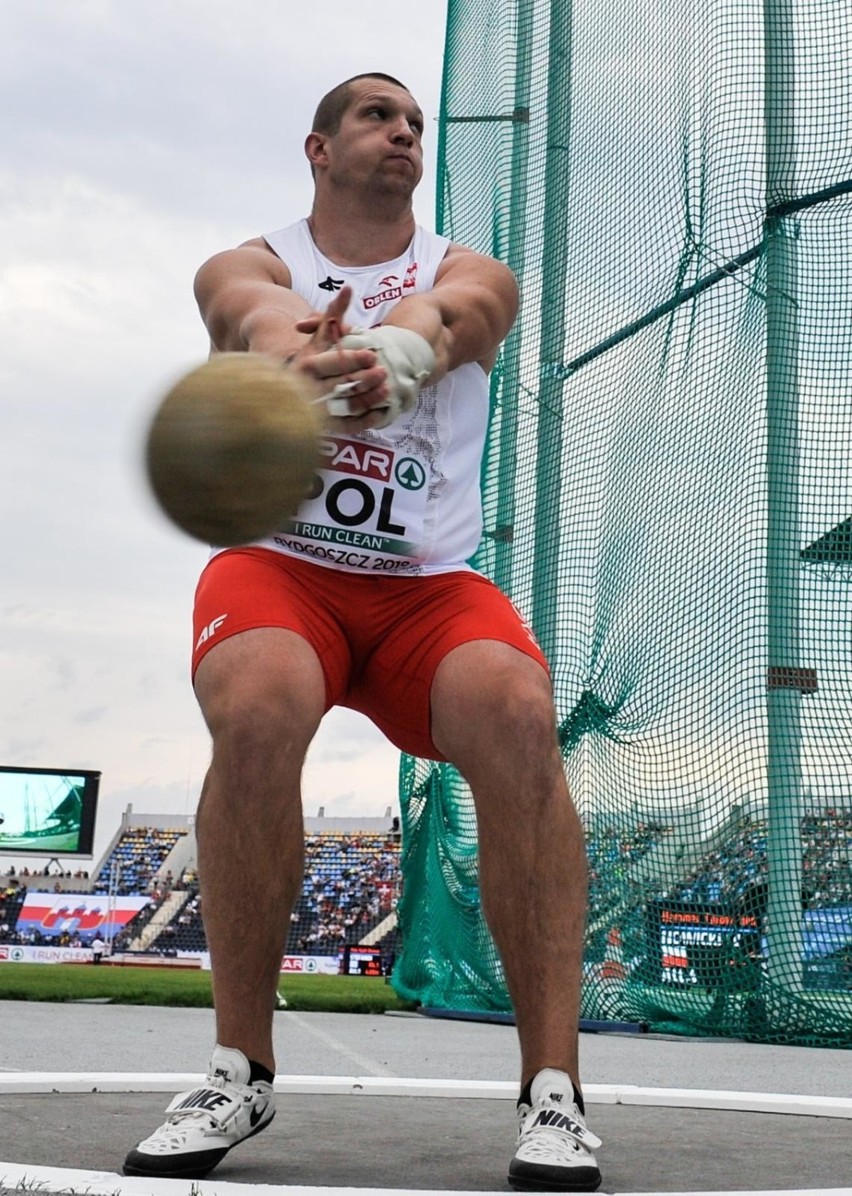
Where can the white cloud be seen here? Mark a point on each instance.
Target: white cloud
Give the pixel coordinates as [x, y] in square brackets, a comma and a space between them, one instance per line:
[140, 139]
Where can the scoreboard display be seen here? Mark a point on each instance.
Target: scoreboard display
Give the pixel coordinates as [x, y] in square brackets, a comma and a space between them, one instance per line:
[689, 943]
[361, 961]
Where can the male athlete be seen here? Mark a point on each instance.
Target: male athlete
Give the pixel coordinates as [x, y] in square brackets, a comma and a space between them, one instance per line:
[364, 600]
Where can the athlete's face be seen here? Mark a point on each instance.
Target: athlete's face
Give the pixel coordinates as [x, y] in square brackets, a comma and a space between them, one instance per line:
[378, 143]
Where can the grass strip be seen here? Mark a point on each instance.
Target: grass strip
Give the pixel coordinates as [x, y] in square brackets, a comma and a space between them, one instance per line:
[130, 985]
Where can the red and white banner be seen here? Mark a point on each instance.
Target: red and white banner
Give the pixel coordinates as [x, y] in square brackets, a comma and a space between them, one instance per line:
[77, 913]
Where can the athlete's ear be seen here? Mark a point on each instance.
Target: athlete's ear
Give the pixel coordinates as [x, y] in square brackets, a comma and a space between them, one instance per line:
[315, 149]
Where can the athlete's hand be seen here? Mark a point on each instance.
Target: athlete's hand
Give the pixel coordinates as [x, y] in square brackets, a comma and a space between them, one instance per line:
[354, 372]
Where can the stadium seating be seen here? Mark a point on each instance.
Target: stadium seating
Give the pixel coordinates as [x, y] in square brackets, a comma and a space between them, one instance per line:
[136, 858]
[352, 882]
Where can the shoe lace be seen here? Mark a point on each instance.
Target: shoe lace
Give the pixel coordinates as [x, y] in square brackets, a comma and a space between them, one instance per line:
[545, 1145]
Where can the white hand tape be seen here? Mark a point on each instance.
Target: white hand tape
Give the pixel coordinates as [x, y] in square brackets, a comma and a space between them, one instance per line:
[407, 358]
[337, 402]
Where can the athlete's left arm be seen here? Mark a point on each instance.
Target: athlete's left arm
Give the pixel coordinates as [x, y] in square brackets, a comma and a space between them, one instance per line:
[467, 314]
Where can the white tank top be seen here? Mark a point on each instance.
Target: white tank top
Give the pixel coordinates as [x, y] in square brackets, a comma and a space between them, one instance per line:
[401, 500]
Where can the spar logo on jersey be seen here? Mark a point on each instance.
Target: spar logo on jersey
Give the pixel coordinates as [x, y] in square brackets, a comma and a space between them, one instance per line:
[391, 288]
[353, 456]
[364, 497]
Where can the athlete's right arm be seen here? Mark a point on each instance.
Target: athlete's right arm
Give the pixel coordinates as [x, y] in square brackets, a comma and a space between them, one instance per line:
[246, 303]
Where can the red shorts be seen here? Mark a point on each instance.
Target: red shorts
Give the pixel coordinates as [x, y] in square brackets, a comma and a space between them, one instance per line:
[379, 639]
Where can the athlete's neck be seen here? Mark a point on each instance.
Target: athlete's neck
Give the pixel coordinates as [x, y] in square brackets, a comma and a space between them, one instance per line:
[361, 238]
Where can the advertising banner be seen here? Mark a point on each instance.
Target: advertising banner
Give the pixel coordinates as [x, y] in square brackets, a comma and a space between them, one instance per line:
[10, 953]
[317, 965]
[324, 965]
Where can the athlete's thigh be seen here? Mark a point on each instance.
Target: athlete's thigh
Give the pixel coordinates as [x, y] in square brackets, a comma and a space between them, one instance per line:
[262, 684]
[492, 700]
[441, 614]
[263, 634]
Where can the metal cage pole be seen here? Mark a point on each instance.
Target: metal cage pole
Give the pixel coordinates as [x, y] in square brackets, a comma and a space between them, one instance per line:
[785, 678]
[505, 382]
[551, 352]
[507, 463]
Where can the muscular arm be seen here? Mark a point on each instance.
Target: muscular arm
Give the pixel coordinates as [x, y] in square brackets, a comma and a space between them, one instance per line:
[246, 303]
[466, 315]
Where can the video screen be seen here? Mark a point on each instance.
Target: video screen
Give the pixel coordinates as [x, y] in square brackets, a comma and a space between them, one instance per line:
[48, 811]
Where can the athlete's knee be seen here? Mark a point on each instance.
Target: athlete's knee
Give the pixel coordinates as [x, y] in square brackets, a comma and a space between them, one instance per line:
[259, 725]
[265, 682]
[509, 710]
[262, 731]
[521, 712]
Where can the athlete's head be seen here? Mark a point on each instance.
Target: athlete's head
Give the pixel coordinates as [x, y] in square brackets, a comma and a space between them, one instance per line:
[334, 103]
[367, 132]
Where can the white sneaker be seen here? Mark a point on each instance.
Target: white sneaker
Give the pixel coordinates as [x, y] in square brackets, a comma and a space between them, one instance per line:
[554, 1150]
[203, 1125]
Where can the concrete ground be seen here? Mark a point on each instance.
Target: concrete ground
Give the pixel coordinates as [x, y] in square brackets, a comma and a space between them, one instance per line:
[415, 1142]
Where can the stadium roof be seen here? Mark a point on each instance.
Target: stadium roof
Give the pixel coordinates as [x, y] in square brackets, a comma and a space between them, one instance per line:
[833, 548]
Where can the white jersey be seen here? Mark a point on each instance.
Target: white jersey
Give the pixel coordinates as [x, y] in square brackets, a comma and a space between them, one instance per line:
[402, 499]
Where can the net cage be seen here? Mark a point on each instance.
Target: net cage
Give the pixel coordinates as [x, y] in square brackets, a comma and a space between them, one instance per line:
[667, 496]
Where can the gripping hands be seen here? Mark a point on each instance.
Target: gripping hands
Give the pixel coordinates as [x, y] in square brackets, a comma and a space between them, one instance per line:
[406, 357]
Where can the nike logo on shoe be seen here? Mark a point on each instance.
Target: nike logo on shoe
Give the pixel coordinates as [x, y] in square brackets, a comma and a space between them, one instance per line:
[255, 1115]
[204, 1098]
[559, 1121]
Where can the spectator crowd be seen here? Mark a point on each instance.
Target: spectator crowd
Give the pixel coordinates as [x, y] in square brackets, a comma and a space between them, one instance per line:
[352, 882]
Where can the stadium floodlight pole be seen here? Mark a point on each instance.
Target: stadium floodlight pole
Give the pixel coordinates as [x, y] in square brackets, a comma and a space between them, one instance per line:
[785, 676]
[554, 270]
[515, 258]
[112, 895]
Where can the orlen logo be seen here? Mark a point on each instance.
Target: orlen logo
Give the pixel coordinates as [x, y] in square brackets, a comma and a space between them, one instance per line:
[364, 460]
[390, 290]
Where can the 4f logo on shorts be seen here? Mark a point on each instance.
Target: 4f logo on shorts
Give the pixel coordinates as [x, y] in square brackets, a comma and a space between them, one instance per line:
[210, 630]
[528, 631]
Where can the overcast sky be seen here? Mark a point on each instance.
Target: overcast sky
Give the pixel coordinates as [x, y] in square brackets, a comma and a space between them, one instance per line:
[139, 139]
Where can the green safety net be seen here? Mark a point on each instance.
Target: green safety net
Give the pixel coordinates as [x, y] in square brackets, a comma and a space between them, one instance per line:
[667, 496]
